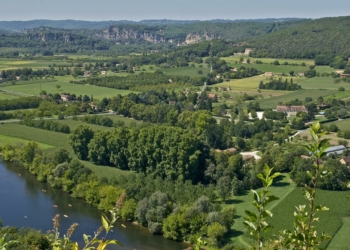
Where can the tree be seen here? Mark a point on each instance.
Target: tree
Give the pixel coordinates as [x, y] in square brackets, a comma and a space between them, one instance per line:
[223, 187]
[215, 233]
[58, 86]
[80, 139]
[128, 209]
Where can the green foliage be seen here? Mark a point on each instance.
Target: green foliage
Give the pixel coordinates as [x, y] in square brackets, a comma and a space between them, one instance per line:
[128, 209]
[304, 234]
[256, 222]
[80, 139]
[215, 233]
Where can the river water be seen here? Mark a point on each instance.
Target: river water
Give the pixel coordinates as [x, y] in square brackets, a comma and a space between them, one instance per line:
[23, 204]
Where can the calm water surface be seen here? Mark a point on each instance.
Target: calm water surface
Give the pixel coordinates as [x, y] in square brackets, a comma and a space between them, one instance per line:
[21, 195]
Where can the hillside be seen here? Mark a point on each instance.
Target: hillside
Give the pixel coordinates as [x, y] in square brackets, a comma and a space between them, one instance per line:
[79, 24]
[306, 40]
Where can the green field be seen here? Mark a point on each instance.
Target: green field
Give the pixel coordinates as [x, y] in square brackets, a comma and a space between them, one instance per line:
[34, 87]
[323, 83]
[232, 59]
[271, 103]
[341, 240]
[10, 140]
[279, 69]
[281, 189]
[10, 63]
[35, 134]
[342, 124]
[185, 71]
[330, 222]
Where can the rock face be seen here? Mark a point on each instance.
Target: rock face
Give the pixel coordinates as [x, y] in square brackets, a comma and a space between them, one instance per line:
[121, 33]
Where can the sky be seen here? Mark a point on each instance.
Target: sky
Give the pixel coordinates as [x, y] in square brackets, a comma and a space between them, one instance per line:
[136, 10]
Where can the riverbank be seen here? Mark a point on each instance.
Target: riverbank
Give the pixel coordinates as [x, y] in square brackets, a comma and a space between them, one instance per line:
[23, 195]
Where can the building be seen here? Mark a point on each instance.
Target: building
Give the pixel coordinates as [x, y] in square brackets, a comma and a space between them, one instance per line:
[336, 150]
[268, 74]
[345, 75]
[66, 98]
[104, 72]
[172, 102]
[212, 97]
[18, 78]
[301, 74]
[291, 110]
[234, 69]
[345, 160]
[247, 51]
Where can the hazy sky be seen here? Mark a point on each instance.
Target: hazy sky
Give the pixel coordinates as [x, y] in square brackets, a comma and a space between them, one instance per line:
[95, 10]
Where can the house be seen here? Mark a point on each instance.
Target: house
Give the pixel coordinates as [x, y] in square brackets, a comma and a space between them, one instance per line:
[234, 69]
[291, 110]
[336, 150]
[344, 75]
[172, 102]
[345, 160]
[212, 96]
[18, 78]
[93, 106]
[301, 74]
[268, 74]
[66, 98]
[87, 73]
[170, 81]
[118, 64]
[247, 51]
[104, 72]
[218, 76]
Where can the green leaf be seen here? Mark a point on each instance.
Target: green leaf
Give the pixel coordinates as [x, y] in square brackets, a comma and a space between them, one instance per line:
[105, 223]
[115, 242]
[86, 238]
[250, 214]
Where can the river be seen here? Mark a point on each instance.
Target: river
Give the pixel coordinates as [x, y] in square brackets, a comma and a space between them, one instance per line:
[23, 204]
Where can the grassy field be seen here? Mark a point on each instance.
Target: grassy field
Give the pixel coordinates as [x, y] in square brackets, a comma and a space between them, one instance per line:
[11, 63]
[10, 140]
[341, 240]
[342, 124]
[339, 95]
[186, 71]
[330, 222]
[323, 83]
[279, 69]
[270, 103]
[244, 202]
[232, 59]
[22, 132]
[34, 87]
[252, 83]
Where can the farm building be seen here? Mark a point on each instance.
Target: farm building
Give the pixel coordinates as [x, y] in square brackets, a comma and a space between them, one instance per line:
[291, 110]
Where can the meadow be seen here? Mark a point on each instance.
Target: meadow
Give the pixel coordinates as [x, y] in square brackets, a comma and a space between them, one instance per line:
[233, 59]
[50, 86]
[323, 83]
[278, 69]
[10, 140]
[11, 63]
[329, 221]
[342, 124]
[271, 103]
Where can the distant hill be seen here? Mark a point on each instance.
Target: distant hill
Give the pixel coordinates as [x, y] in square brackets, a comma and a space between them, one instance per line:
[306, 40]
[77, 24]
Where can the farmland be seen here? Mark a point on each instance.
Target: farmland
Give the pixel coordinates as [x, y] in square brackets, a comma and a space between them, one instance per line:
[34, 87]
